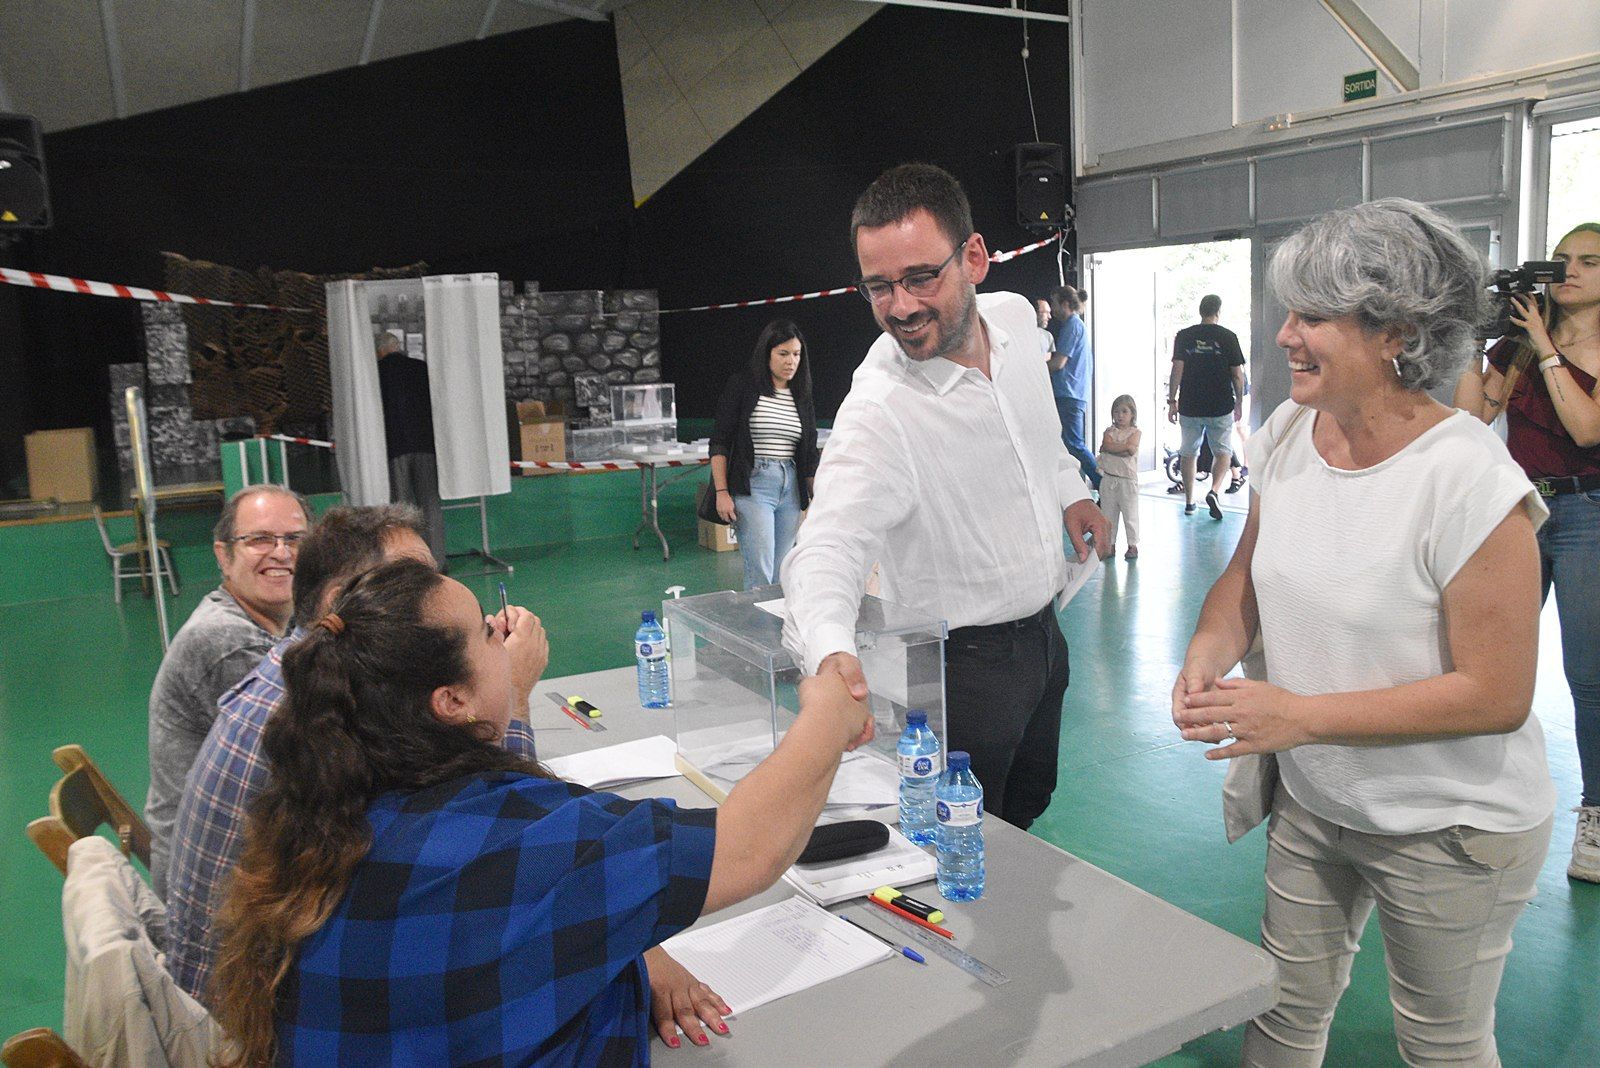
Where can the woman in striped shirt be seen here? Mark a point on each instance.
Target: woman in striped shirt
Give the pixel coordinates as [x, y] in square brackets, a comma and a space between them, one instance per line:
[764, 450]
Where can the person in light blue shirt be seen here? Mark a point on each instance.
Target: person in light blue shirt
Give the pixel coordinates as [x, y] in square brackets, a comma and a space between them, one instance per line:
[1072, 377]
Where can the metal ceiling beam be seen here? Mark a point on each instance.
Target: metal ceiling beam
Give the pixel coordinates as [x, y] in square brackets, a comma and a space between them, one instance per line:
[1012, 12]
[374, 15]
[562, 7]
[247, 44]
[1394, 63]
[488, 19]
[119, 88]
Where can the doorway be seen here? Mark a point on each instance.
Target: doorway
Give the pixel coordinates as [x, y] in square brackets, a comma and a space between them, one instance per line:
[1574, 161]
[1138, 301]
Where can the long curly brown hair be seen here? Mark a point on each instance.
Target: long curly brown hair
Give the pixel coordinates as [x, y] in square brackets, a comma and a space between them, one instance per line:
[355, 722]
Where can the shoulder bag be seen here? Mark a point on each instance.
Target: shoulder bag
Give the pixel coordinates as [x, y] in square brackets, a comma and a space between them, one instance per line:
[707, 508]
[1252, 779]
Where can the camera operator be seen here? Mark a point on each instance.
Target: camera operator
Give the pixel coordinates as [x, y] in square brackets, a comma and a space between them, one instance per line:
[1543, 377]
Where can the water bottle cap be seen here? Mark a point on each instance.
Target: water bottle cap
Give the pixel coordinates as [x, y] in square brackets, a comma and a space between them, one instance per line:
[647, 617]
[916, 717]
[958, 760]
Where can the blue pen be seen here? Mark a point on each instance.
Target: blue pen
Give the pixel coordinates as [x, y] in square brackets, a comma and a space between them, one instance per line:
[505, 608]
[904, 950]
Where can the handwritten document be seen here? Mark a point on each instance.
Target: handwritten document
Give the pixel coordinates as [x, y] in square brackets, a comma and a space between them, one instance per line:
[773, 952]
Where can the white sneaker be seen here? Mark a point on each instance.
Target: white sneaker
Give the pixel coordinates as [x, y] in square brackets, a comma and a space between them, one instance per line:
[1586, 846]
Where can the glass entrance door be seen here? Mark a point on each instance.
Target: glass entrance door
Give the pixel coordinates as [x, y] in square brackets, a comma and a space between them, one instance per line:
[1138, 301]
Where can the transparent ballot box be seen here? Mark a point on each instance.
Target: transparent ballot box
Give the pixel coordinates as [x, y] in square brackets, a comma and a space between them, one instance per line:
[594, 443]
[652, 403]
[648, 437]
[735, 688]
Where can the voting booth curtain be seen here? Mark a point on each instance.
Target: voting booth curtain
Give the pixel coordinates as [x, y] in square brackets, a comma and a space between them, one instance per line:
[361, 455]
[466, 377]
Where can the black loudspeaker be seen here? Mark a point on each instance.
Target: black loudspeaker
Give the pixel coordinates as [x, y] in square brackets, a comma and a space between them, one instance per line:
[1041, 186]
[24, 192]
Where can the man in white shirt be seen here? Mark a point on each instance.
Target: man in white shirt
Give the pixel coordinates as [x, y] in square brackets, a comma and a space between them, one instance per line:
[946, 466]
[1047, 340]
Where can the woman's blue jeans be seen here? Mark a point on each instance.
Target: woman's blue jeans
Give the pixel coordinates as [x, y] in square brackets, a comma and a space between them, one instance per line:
[767, 520]
[1569, 557]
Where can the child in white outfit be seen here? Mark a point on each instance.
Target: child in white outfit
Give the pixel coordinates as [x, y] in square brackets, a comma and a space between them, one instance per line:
[1119, 473]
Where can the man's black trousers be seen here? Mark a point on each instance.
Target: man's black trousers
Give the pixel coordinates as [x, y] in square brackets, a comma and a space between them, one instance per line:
[1004, 684]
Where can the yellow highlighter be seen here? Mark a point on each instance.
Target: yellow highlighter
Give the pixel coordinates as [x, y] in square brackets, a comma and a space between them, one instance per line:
[580, 705]
[890, 896]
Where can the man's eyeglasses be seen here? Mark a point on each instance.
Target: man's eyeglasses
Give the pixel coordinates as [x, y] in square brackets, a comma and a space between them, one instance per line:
[262, 542]
[917, 283]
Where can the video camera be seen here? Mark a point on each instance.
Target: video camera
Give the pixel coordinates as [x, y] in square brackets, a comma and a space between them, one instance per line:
[1525, 278]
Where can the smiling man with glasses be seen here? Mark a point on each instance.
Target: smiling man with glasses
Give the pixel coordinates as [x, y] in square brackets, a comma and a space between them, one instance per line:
[946, 467]
[255, 541]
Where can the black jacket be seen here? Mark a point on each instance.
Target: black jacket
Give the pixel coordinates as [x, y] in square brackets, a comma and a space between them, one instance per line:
[730, 437]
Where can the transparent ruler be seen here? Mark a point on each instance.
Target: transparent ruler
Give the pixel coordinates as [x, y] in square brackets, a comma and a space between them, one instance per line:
[581, 720]
[942, 946]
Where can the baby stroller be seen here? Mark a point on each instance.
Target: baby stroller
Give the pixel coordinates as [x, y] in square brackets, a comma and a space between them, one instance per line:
[1202, 468]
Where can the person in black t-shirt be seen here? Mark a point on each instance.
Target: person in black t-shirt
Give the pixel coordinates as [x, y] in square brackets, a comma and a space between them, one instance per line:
[408, 433]
[1205, 397]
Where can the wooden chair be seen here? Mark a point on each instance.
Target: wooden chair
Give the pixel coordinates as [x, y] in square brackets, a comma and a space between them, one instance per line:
[80, 803]
[135, 549]
[53, 840]
[39, 1047]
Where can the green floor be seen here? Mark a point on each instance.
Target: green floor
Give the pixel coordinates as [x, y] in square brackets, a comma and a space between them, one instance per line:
[1133, 798]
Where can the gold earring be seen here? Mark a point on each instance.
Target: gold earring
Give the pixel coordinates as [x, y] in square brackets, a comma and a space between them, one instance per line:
[471, 719]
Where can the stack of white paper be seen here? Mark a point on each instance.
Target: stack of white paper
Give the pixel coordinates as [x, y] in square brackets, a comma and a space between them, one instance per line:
[772, 952]
[617, 765]
[863, 782]
[899, 863]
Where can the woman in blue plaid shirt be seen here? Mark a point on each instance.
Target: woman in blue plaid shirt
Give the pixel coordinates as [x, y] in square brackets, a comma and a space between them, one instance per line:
[413, 893]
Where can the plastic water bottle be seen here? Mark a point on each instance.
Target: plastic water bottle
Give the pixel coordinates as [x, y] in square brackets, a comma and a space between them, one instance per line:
[650, 654]
[919, 770]
[958, 801]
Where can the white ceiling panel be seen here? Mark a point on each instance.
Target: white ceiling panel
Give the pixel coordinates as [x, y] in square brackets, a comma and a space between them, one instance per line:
[301, 38]
[53, 53]
[160, 76]
[408, 26]
[657, 18]
[53, 59]
[510, 16]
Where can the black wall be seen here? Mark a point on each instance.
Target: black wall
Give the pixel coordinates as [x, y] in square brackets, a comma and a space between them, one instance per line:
[506, 154]
[766, 211]
[510, 155]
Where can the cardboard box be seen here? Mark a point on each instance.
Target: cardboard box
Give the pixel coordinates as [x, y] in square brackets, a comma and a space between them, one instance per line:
[543, 430]
[61, 464]
[715, 536]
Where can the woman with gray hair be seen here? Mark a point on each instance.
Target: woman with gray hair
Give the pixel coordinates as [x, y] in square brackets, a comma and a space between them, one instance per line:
[1389, 567]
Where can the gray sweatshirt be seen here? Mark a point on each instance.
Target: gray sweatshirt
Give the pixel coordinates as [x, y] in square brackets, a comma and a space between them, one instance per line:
[214, 649]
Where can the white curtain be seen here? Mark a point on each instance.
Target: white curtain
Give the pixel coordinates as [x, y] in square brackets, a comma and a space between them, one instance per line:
[361, 453]
[466, 375]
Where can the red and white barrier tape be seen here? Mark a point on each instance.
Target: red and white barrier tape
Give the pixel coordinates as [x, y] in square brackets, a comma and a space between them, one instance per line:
[63, 284]
[1002, 257]
[603, 465]
[297, 441]
[548, 465]
[761, 303]
[998, 257]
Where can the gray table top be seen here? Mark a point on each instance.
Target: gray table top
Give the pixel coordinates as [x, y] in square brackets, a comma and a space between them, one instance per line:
[1101, 972]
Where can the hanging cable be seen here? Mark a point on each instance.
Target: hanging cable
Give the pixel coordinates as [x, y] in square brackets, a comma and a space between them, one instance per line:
[1027, 79]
